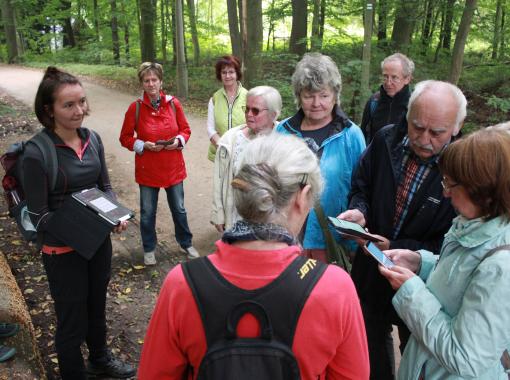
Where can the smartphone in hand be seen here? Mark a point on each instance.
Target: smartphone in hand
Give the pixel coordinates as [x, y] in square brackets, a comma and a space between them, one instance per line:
[165, 142]
[379, 255]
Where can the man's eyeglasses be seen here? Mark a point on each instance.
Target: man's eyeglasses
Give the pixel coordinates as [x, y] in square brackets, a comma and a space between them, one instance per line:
[254, 110]
[392, 78]
[447, 186]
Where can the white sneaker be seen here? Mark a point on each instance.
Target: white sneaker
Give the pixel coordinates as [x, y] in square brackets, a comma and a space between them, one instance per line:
[192, 252]
[149, 258]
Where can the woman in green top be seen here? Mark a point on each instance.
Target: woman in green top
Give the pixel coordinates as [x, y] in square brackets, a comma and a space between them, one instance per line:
[225, 109]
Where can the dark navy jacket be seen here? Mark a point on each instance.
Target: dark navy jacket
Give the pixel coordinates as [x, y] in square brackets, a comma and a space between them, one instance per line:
[373, 192]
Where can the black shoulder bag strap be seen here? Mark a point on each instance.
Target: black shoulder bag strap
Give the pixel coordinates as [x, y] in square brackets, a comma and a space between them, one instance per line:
[336, 253]
[283, 299]
[505, 358]
[49, 153]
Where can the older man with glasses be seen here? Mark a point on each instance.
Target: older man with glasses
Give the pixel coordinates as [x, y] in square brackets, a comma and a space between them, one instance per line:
[397, 193]
[389, 104]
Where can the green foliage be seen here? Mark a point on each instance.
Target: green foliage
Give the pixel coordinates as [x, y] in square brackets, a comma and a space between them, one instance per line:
[500, 104]
[6, 110]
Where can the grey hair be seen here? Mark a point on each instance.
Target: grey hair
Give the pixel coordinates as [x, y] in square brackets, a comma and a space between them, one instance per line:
[501, 126]
[407, 64]
[436, 85]
[272, 169]
[315, 72]
[271, 97]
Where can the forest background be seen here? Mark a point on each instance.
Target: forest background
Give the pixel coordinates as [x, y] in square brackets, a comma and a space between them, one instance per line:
[465, 42]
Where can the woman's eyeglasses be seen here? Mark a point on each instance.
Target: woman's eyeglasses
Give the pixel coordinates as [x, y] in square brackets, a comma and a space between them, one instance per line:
[254, 110]
[446, 185]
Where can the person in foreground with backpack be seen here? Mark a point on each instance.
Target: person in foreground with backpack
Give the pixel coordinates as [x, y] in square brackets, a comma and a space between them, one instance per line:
[298, 317]
[457, 305]
[156, 128]
[78, 285]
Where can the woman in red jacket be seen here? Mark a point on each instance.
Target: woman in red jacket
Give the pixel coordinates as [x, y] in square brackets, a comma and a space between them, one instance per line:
[157, 130]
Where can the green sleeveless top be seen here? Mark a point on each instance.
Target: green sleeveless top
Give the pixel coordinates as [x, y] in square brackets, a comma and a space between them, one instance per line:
[227, 116]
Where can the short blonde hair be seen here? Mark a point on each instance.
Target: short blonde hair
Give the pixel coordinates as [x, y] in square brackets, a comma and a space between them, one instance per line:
[152, 67]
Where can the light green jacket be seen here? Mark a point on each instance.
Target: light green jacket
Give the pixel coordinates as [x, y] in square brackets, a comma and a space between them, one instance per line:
[227, 116]
[459, 318]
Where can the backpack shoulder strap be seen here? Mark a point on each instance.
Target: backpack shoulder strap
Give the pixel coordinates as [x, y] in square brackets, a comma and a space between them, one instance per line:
[374, 100]
[283, 298]
[49, 153]
[137, 114]
[497, 249]
[170, 99]
[285, 301]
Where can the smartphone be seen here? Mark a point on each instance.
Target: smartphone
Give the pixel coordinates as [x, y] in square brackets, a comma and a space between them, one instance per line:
[165, 142]
[377, 254]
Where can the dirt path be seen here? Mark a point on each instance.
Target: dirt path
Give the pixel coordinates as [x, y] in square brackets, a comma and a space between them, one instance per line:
[108, 108]
[133, 288]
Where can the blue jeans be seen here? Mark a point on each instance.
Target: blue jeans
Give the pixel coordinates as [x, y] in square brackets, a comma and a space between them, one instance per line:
[148, 209]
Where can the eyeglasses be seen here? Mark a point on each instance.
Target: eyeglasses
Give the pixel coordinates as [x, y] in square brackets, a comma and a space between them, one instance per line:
[448, 186]
[254, 110]
[228, 72]
[393, 79]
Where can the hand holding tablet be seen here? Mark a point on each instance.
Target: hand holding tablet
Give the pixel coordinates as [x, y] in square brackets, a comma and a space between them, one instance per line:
[348, 229]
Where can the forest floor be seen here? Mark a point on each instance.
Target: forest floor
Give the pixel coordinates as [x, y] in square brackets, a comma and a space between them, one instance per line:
[133, 287]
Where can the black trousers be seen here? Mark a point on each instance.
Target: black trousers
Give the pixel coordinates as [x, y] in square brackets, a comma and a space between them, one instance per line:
[380, 344]
[78, 287]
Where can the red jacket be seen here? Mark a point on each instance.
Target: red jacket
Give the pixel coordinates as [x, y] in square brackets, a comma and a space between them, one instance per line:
[330, 341]
[166, 167]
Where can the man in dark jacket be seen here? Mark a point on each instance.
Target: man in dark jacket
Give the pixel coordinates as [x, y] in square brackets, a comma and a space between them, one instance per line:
[389, 104]
[397, 194]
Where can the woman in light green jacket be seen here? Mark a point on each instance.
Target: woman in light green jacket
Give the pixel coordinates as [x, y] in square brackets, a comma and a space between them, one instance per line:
[225, 109]
[458, 306]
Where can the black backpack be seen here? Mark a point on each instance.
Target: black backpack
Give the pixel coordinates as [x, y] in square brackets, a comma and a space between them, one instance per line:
[277, 307]
[12, 182]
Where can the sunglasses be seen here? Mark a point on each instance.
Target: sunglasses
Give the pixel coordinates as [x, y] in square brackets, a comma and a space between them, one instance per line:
[254, 110]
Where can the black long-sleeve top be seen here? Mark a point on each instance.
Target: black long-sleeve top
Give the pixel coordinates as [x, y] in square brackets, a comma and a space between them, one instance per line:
[74, 174]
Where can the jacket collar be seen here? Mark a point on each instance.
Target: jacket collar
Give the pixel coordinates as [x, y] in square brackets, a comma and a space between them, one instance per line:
[401, 97]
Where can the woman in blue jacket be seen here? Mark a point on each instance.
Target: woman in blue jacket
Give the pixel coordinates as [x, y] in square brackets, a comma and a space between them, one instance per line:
[336, 140]
[457, 307]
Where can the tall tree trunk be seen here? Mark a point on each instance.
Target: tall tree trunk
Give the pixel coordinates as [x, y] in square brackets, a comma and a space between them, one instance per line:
[96, 20]
[69, 39]
[11, 37]
[182, 70]
[194, 33]
[316, 20]
[115, 32]
[460, 41]
[367, 44]
[502, 45]
[253, 12]
[126, 31]
[174, 33]
[270, 30]
[147, 40]
[447, 36]
[321, 21]
[404, 24]
[297, 44]
[497, 30]
[242, 5]
[164, 31]
[441, 35]
[382, 24]
[233, 27]
[427, 24]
